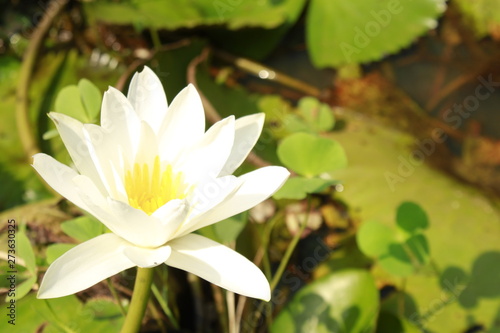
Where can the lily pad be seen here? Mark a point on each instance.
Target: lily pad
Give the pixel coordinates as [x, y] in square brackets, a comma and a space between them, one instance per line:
[311, 155]
[345, 302]
[357, 31]
[465, 222]
[411, 217]
[374, 238]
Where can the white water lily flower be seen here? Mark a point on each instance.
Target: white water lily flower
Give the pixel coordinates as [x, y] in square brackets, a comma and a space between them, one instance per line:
[152, 175]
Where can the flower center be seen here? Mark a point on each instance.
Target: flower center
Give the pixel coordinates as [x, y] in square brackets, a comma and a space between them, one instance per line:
[150, 189]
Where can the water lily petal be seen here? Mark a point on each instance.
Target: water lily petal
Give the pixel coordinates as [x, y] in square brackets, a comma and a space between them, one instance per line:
[172, 215]
[211, 152]
[148, 98]
[184, 124]
[120, 121]
[103, 154]
[219, 265]
[148, 145]
[85, 265]
[145, 258]
[247, 132]
[205, 197]
[142, 229]
[71, 132]
[256, 186]
[59, 177]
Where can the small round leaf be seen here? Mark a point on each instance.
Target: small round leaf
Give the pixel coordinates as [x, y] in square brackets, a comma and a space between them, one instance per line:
[310, 155]
[411, 217]
[374, 238]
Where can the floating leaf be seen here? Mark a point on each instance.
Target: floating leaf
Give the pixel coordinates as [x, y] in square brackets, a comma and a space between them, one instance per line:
[81, 102]
[411, 217]
[318, 115]
[310, 155]
[343, 302]
[187, 14]
[357, 31]
[396, 261]
[375, 238]
[91, 99]
[68, 101]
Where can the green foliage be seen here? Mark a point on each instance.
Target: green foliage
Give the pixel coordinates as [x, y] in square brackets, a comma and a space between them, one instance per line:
[311, 155]
[54, 251]
[344, 32]
[188, 14]
[402, 250]
[345, 302]
[25, 267]
[312, 116]
[458, 212]
[83, 228]
[411, 217]
[82, 101]
[482, 15]
[65, 314]
[226, 231]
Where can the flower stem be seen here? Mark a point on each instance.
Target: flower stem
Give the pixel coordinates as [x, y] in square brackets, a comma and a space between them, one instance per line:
[140, 297]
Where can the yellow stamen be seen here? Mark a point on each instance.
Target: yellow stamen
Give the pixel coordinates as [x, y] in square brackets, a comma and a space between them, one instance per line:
[150, 190]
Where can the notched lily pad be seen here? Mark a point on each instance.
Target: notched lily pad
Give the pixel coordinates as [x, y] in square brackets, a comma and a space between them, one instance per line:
[310, 155]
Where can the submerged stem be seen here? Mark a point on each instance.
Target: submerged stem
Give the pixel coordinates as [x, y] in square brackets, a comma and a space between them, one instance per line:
[140, 297]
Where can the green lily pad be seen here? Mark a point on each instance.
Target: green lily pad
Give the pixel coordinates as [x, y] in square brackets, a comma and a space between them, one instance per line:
[411, 217]
[187, 14]
[310, 155]
[312, 116]
[82, 101]
[91, 98]
[374, 238]
[357, 31]
[344, 302]
[465, 222]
